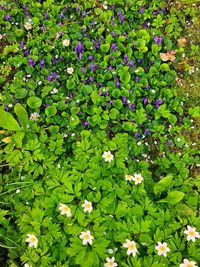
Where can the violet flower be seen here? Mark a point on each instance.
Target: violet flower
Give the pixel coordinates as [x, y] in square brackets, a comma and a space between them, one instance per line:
[124, 100]
[26, 53]
[169, 143]
[132, 106]
[83, 14]
[121, 17]
[125, 58]
[31, 62]
[136, 134]
[79, 48]
[158, 103]
[62, 15]
[91, 57]
[46, 16]
[52, 76]
[158, 39]
[91, 79]
[86, 124]
[42, 63]
[147, 131]
[7, 17]
[99, 84]
[78, 9]
[22, 46]
[139, 61]
[137, 78]
[131, 64]
[145, 100]
[93, 67]
[54, 60]
[114, 47]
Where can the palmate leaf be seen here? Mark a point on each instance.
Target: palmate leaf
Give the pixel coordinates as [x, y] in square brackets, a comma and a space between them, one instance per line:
[8, 122]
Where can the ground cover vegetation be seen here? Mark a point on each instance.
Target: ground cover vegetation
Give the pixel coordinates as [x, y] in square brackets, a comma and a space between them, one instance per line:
[99, 123]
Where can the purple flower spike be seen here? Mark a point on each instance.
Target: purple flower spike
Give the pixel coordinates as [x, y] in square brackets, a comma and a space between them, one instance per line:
[31, 62]
[7, 17]
[158, 103]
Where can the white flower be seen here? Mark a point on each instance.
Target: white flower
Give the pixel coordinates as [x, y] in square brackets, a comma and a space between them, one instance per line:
[162, 249]
[64, 209]
[110, 262]
[128, 177]
[86, 237]
[26, 265]
[35, 116]
[137, 178]
[54, 91]
[191, 233]
[66, 42]
[131, 246]
[28, 26]
[70, 70]
[32, 240]
[178, 139]
[110, 251]
[87, 206]
[108, 156]
[187, 263]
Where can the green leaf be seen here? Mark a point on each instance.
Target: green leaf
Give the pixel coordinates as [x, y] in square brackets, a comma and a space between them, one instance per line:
[173, 197]
[8, 122]
[105, 47]
[172, 119]
[164, 184]
[114, 113]
[125, 77]
[50, 111]
[195, 112]
[34, 102]
[22, 115]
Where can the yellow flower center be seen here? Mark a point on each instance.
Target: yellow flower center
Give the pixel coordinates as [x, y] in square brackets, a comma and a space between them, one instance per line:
[65, 209]
[110, 264]
[192, 233]
[88, 206]
[87, 237]
[132, 246]
[129, 177]
[189, 265]
[108, 156]
[162, 248]
[33, 239]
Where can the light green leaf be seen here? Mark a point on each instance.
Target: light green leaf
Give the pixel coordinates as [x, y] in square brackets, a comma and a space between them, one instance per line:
[8, 122]
[22, 115]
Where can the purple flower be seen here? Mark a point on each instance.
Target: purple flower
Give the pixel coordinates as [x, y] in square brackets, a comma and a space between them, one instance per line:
[100, 93]
[114, 47]
[31, 62]
[158, 40]
[125, 58]
[93, 67]
[146, 24]
[92, 24]
[15, 100]
[132, 106]
[7, 17]
[42, 28]
[79, 48]
[131, 64]
[136, 134]
[26, 53]
[54, 60]
[26, 10]
[78, 9]
[2, 7]
[6, 108]
[61, 58]
[52, 76]
[146, 131]
[117, 83]
[121, 17]
[124, 100]
[46, 16]
[83, 14]
[91, 57]
[139, 61]
[169, 143]
[100, 84]
[91, 79]
[141, 10]
[110, 68]
[97, 45]
[86, 124]
[158, 103]
[22, 45]
[145, 100]
[147, 87]
[82, 70]
[42, 63]
[62, 15]
[137, 78]
[113, 34]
